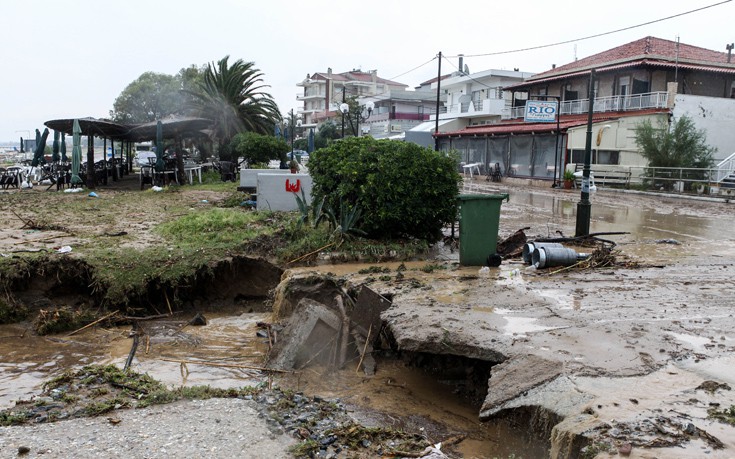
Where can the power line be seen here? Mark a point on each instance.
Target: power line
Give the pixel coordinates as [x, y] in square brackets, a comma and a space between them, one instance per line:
[415, 68]
[598, 34]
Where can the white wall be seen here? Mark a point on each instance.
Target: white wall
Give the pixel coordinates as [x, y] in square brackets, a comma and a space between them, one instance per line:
[249, 177]
[276, 191]
[715, 115]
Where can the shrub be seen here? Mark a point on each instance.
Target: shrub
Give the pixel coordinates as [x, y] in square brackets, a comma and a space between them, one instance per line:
[258, 148]
[402, 188]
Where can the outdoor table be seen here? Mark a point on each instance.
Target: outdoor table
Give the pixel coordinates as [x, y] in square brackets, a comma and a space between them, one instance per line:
[190, 170]
[470, 167]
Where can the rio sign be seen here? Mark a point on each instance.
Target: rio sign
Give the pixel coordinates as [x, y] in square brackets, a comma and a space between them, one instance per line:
[538, 111]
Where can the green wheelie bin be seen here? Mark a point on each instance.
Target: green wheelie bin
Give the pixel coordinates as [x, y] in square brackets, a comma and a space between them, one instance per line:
[479, 219]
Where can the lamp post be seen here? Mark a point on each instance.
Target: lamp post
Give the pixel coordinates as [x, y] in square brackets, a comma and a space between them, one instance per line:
[584, 207]
[358, 116]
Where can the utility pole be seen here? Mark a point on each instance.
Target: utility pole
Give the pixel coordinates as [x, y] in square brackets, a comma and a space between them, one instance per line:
[438, 94]
[584, 207]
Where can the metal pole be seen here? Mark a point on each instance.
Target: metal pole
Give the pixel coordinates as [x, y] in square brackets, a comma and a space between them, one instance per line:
[438, 94]
[292, 129]
[584, 207]
[556, 148]
[343, 113]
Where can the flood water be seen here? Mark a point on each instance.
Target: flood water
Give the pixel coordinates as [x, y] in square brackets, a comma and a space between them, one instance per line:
[179, 356]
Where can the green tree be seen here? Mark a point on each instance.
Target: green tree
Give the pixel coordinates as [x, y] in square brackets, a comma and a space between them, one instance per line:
[150, 97]
[232, 97]
[258, 148]
[402, 188]
[326, 134]
[678, 145]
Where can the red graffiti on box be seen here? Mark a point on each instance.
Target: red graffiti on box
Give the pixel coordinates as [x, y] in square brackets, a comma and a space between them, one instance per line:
[293, 187]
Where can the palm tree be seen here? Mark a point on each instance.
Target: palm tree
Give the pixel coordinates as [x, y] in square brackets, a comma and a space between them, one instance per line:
[233, 98]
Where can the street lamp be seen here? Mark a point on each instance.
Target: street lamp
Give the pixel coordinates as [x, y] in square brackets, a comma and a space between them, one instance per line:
[360, 115]
[294, 119]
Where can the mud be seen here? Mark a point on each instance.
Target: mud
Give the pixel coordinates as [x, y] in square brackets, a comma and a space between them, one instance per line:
[580, 362]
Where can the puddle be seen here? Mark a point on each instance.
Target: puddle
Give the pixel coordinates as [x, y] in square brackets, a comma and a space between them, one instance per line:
[697, 342]
[227, 339]
[520, 326]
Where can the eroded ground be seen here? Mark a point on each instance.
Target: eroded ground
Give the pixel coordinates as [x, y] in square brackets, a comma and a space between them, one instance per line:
[623, 356]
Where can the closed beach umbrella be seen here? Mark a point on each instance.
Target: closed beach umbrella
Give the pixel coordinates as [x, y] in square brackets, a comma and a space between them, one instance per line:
[55, 148]
[159, 147]
[76, 153]
[63, 148]
[40, 147]
[310, 145]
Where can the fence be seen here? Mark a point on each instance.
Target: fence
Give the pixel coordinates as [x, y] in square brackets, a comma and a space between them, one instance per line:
[681, 180]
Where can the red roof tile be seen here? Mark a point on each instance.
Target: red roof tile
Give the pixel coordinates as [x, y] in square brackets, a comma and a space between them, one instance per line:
[649, 48]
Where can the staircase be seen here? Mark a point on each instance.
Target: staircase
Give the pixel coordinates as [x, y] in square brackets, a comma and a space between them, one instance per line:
[726, 172]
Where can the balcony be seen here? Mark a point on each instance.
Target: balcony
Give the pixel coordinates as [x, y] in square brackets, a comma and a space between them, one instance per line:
[631, 102]
[309, 95]
[473, 109]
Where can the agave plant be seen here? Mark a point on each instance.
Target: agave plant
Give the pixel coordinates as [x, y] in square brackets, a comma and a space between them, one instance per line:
[313, 213]
[344, 224]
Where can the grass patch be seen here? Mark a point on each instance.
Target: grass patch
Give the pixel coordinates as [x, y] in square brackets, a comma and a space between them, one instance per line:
[62, 319]
[725, 415]
[214, 228]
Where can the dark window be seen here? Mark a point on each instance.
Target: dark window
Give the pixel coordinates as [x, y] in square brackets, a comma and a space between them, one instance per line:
[640, 86]
[608, 157]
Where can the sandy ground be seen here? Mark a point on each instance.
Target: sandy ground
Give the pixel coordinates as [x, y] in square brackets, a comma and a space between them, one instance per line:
[220, 428]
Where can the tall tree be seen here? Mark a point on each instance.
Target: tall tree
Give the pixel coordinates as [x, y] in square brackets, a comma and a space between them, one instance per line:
[232, 97]
[150, 97]
[678, 145]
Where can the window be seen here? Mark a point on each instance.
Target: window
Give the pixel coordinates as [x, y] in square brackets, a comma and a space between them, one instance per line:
[623, 84]
[607, 157]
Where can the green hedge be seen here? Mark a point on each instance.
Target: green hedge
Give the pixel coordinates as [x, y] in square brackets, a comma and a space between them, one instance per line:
[402, 188]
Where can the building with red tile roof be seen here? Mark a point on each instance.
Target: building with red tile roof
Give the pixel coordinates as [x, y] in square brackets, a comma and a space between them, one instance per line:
[647, 79]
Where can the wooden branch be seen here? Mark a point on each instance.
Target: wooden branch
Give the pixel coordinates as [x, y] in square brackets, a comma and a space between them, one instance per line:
[344, 333]
[26, 223]
[165, 294]
[93, 323]
[131, 354]
[362, 355]
[311, 253]
[224, 365]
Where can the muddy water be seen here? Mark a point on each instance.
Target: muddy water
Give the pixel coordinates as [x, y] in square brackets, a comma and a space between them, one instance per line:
[406, 398]
[399, 396]
[228, 339]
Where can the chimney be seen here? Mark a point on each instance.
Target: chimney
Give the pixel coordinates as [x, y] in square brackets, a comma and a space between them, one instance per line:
[729, 51]
[461, 62]
[329, 71]
[553, 66]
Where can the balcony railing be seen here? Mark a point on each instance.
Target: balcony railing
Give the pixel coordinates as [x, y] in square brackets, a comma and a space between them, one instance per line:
[604, 104]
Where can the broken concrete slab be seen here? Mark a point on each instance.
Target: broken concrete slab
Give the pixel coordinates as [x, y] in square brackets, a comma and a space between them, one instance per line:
[310, 335]
[515, 377]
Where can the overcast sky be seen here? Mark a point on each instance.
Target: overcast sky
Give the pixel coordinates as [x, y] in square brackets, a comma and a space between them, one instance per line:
[72, 58]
